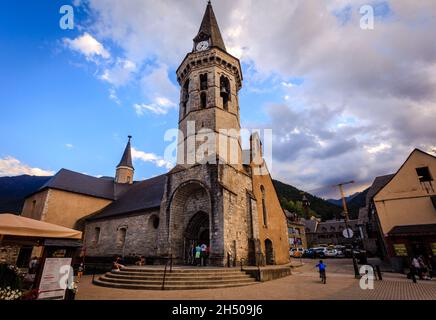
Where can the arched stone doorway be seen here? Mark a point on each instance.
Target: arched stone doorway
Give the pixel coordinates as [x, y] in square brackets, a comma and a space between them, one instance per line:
[269, 252]
[189, 218]
[196, 233]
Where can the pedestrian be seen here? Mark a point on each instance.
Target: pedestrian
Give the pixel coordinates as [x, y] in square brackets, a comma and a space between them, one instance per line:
[116, 265]
[33, 264]
[322, 272]
[413, 271]
[417, 267]
[80, 271]
[430, 267]
[423, 266]
[207, 252]
[192, 253]
[198, 255]
[203, 254]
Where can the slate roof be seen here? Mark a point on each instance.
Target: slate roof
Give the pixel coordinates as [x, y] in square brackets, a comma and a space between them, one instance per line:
[209, 27]
[413, 230]
[310, 224]
[377, 185]
[126, 159]
[335, 225]
[71, 181]
[141, 196]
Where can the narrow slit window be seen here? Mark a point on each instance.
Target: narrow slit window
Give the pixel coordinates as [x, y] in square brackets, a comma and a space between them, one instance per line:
[203, 100]
[203, 81]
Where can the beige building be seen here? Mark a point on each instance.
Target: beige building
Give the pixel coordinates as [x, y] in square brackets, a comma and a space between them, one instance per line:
[296, 231]
[406, 209]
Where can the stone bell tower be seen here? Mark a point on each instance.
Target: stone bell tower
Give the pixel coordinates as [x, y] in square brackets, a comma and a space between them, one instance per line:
[207, 194]
[210, 79]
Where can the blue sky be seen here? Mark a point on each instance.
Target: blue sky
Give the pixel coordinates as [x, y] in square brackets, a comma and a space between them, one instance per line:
[69, 98]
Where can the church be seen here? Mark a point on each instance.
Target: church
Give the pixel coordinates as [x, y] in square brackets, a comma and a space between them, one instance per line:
[223, 198]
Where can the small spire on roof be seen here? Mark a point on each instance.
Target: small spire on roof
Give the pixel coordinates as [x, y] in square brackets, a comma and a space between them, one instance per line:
[126, 160]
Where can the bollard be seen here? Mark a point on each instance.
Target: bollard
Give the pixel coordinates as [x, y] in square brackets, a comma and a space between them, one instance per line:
[379, 274]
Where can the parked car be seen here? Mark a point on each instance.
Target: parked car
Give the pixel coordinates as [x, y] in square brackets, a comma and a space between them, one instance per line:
[330, 253]
[309, 253]
[319, 252]
[296, 252]
[340, 251]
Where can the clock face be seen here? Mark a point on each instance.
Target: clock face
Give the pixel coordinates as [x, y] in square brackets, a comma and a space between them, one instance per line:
[203, 45]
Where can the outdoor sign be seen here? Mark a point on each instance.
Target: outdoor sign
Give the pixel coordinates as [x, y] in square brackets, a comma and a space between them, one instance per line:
[53, 281]
[400, 250]
[348, 233]
[433, 248]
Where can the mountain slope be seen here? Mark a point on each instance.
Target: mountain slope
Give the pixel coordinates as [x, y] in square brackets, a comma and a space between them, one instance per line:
[354, 202]
[290, 198]
[13, 190]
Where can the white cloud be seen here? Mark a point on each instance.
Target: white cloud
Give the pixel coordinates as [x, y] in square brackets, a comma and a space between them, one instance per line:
[159, 90]
[88, 46]
[9, 166]
[378, 148]
[160, 106]
[69, 146]
[120, 73]
[113, 96]
[151, 157]
[383, 79]
[287, 84]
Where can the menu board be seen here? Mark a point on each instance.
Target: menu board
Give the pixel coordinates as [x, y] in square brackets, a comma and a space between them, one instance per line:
[53, 281]
[400, 250]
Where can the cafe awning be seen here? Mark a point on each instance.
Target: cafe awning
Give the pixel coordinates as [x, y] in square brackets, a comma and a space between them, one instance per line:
[17, 226]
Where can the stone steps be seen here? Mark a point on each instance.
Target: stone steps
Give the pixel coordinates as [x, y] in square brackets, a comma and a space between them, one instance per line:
[178, 279]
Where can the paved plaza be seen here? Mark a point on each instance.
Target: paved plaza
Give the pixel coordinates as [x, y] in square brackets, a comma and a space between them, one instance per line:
[303, 284]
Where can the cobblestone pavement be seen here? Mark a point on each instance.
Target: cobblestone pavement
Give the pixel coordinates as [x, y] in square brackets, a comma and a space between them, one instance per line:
[304, 284]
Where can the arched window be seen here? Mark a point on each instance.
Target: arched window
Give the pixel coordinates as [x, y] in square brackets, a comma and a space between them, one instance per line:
[203, 81]
[121, 236]
[185, 97]
[225, 92]
[154, 222]
[265, 213]
[203, 98]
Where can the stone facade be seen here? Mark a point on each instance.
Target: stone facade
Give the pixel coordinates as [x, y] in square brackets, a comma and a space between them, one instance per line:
[103, 239]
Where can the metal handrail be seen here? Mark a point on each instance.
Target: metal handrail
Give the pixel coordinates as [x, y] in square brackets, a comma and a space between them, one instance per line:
[242, 264]
[259, 261]
[170, 260]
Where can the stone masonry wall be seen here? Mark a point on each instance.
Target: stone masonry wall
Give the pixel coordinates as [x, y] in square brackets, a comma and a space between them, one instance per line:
[141, 236]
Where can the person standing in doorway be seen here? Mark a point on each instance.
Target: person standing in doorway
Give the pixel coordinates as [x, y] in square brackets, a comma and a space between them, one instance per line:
[203, 254]
[198, 255]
